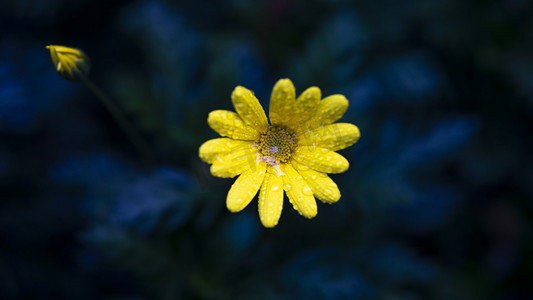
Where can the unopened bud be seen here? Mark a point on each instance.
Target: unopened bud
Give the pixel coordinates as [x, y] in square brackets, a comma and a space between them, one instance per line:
[71, 64]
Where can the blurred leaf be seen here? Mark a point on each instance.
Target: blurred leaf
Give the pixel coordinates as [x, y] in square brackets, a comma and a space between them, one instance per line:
[390, 178]
[396, 265]
[89, 169]
[25, 100]
[159, 202]
[430, 209]
[333, 53]
[321, 274]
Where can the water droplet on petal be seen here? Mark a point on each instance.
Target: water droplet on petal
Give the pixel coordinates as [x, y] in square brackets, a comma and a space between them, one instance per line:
[307, 191]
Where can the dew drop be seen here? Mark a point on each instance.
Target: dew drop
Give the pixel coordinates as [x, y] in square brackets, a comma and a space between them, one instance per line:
[307, 191]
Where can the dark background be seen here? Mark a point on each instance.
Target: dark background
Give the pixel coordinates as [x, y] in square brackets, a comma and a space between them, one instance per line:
[437, 203]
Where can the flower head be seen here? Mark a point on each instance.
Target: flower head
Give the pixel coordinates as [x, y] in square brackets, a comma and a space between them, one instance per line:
[70, 63]
[291, 154]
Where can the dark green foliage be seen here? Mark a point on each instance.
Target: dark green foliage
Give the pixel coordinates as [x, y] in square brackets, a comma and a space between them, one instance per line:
[437, 203]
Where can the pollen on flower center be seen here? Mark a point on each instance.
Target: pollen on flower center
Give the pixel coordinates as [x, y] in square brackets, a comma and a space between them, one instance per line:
[277, 142]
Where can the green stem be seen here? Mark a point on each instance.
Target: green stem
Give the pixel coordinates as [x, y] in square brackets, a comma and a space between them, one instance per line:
[131, 133]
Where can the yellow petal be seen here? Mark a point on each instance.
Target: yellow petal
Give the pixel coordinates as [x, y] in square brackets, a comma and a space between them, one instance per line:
[245, 188]
[332, 137]
[210, 150]
[329, 110]
[324, 189]
[53, 54]
[271, 199]
[235, 162]
[229, 124]
[249, 108]
[282, 103]
[321, 159]
[304, 109]
[299, 193]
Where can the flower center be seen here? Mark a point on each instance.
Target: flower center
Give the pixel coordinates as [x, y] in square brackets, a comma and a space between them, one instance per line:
[277, 142]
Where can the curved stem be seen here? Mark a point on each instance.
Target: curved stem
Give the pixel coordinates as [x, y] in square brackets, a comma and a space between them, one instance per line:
[131, 133]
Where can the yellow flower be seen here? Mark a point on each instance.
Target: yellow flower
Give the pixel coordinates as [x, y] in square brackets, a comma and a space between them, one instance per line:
[293, 153]
[70, 63]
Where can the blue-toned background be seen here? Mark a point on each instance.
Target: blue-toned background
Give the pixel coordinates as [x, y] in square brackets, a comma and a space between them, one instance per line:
[437, 203]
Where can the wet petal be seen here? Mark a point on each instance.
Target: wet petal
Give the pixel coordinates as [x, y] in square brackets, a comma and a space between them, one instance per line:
[245, 188]
[321, 159]
[324, 188]
[210, 150]
[299, 193]
[305, 107]
[235, 162]
[229, 124]
[282, 103]
[333, 137]
[249, 108]
[329, 110]
[271, 199]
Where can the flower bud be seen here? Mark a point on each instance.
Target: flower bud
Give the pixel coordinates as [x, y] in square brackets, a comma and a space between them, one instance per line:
[71, 64]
